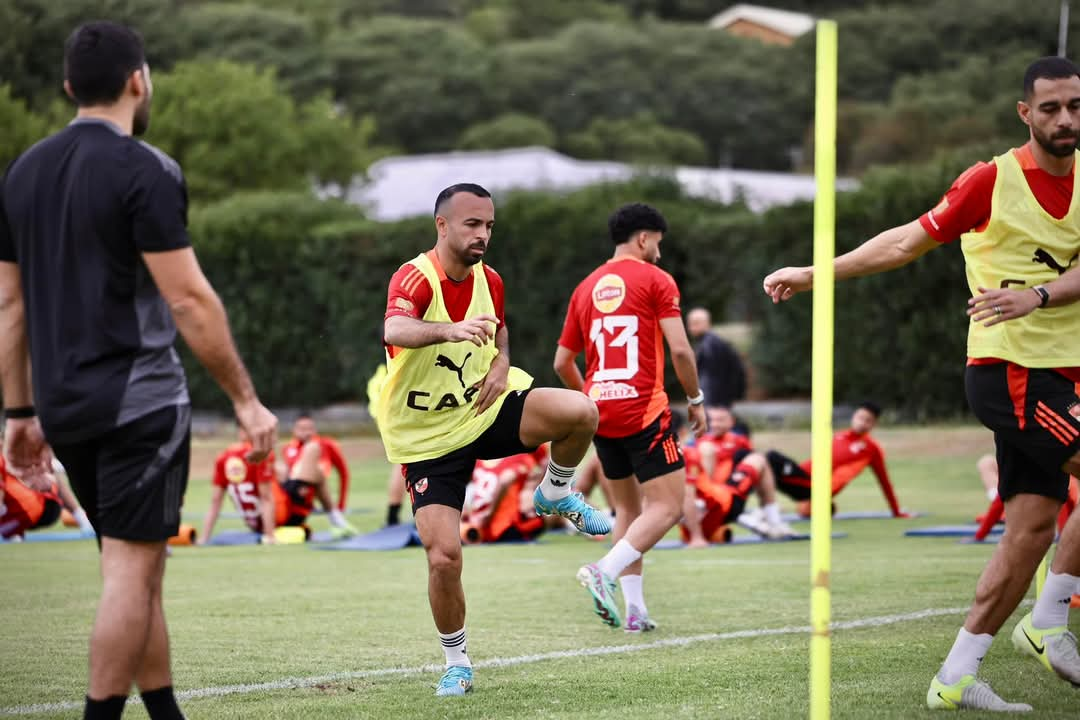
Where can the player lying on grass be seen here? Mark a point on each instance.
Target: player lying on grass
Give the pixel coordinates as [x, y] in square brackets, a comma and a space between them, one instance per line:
[265, 503]
[853, 450]
[499, 499]
[23, 508]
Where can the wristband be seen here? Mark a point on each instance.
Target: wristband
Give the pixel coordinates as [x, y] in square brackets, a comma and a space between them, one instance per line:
[20, 413]
[1043, 293]
[698, 399]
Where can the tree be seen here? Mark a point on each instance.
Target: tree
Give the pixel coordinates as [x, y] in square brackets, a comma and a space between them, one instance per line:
[508, 130]
[638, 139]
[231, 127]
[22, 128]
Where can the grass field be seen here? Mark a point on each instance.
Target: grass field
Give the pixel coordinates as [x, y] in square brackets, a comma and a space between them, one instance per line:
[289, 632]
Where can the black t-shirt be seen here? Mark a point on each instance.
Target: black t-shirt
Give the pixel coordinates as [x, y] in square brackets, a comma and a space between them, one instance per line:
[77, 210]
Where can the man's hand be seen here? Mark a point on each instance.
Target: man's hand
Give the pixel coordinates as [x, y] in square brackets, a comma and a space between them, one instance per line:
[996, 306]
[784, 283]
[478, 330]
[29, 457]
[260, 425]
[493, 385]
[698, 422]
[268, 540]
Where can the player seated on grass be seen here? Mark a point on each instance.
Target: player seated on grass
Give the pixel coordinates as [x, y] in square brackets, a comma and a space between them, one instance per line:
[264, 503]
[852, 451]
[499, 499]
[22, 508]
[717, 453]
[713, 501]
[327, 457]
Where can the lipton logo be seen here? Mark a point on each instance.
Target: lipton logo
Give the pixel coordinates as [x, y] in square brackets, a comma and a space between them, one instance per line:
[235, 470]
[608, 293]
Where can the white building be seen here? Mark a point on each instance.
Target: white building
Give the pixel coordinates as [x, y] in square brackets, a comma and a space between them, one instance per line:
[769, 25]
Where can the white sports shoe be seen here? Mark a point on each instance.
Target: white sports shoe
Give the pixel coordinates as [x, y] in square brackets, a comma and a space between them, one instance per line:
[754, 520]
[780, 531]
[968, 694]
[1055, 648]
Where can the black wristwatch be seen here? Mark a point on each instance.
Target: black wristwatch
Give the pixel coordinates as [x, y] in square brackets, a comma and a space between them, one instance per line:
[1042, 294]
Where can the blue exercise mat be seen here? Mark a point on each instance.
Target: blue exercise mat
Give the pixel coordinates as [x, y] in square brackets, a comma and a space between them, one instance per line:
[394, 537]
[950, 531]
[235, 537]
[854, 515]
[741, 540]
[54, 536]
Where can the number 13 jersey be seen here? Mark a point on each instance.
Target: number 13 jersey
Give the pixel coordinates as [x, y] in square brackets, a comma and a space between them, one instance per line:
[614, 316]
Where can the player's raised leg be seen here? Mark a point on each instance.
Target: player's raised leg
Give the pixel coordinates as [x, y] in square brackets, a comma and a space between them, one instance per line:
[567, 420]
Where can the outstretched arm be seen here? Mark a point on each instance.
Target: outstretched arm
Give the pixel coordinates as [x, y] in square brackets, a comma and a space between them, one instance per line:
[888, 250]
[877, 464]
[212, 514]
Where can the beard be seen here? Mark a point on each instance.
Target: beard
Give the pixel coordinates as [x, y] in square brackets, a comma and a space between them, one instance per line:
[141, 122]
[1050, 144]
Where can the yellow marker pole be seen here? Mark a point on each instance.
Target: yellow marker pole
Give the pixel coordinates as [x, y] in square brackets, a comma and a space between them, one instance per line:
[822, 383]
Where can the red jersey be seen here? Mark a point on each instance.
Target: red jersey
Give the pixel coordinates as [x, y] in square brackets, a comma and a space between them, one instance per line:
[242, 479]
[488, 476]
[23, 505]
[410, 293]
[330, 458]
[851, 454]
[966, 207]
[614, 316]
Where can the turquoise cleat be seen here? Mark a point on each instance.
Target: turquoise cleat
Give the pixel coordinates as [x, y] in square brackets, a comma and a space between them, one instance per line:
[573, 507]
[602, 589]
[456, 680]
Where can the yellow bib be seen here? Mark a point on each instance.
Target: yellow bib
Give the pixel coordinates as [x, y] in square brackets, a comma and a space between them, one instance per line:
[425, 409]
[1024, 246]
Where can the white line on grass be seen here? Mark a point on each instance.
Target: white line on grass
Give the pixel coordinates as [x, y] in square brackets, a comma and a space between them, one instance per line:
[292, 683]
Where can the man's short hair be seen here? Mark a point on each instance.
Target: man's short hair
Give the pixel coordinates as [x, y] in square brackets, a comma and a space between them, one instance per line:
[634, 218]
[447, 193]
[99, 57]
[304, 414]
[871, 407]
[1047, 68]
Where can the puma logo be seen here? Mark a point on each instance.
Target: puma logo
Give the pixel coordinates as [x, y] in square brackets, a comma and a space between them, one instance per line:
[445, 362]
[1041, 256]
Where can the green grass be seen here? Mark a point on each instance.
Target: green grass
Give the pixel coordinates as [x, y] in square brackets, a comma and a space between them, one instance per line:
[244, 615]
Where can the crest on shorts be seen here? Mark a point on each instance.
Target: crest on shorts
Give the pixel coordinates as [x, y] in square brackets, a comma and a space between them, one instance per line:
[235, 470]
[608, 293]
[421, 485]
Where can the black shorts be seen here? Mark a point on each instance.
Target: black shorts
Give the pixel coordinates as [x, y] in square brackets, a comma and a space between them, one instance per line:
[653, 452]
[1030, 412]
[791, 479]
[302, 496]
[49, 514]
[442, 481]
[131, 480]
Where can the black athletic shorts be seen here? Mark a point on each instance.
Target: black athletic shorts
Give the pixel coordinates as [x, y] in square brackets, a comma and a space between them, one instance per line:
[1035, 431]
[442, 481]
[49, 514]
[131, 480]
[791, 479]
[653, 452]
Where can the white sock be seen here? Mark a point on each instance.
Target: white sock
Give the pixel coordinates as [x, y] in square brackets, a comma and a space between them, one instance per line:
[633, 594]
[965, 657]
[557, 481]
[82, 520]
[453, 644]
[618, 558]
[337, 518]
[991, 494]
[1052, 607]
[772, 513]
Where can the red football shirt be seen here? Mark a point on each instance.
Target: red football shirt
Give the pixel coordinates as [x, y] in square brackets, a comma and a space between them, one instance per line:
[410, 293]
[330, 458]
[614, 316]
[851, 454]
[241, 479]
[967, 206]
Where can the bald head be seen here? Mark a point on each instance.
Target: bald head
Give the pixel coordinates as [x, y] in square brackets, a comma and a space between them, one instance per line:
[698, 322]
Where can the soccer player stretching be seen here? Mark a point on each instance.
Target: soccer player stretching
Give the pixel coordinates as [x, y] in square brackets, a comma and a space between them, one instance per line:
[620, 316]
[451, 397]
[1019, 228]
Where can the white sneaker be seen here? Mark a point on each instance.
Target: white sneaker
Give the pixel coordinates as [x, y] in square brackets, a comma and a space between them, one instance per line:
[1054, 648]
[780, 531]
[754, 520]
[970, 694]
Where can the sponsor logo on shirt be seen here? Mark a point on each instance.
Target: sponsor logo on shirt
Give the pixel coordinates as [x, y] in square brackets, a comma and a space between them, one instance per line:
[235, 470]
[403, 304]
[612, 391]
[857, 447]
[608, 293]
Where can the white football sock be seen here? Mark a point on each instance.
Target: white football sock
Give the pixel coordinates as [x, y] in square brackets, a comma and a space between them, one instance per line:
[965, 657]
[557, 481]
[453, 645]
[772, 513]
[633, 594]
[82, 520]
[1052, 607]
[618, 559]
[337, 519]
